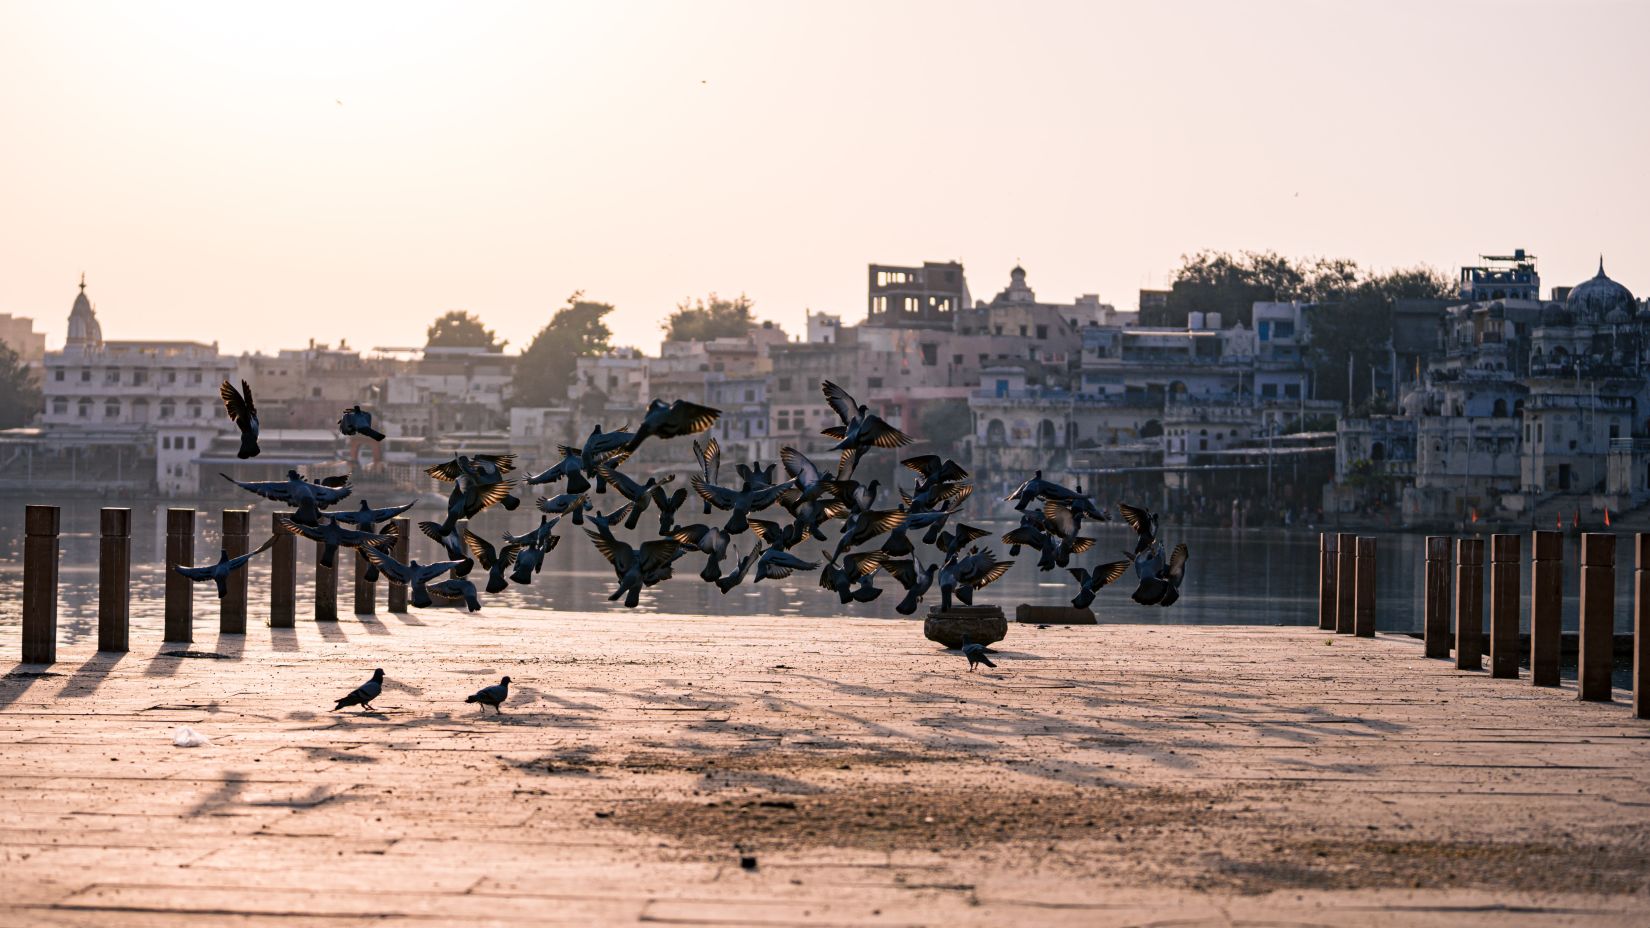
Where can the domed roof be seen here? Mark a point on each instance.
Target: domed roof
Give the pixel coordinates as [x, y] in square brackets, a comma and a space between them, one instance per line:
[1617, 316]
[1594, 300]
[84, 330]
[1554, 314]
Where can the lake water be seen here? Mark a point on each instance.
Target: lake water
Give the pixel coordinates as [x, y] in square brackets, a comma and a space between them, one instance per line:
[1257, 577]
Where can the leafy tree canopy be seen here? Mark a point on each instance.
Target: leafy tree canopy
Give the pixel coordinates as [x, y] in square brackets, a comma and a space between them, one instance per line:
[19, 396]
[946, 423]
[459, 329]
[709, 318]
[546, 367]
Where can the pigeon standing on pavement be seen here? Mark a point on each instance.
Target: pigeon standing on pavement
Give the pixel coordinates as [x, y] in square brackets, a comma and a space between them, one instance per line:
[364, 694]
[490, 696]
[976, 654]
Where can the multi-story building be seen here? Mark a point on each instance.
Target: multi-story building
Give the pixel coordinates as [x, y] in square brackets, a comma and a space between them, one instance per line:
[926, 297]
[18, 334]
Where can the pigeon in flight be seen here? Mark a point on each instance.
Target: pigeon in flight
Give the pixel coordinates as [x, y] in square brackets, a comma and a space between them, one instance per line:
[367, 519]
[639, 494]
[1159, 581]
[456, 589]
[710, 463]
[976, 654]
[742, 567]
[668, 506]
[1144, 523]
[244, 414]
[855, 568]
[741, 503]
[333, 536]
[493, 560]
[960, 577]
[571, 467]
[490, 696]
[562, 504]
[708, 540]
[226, 565]
[357, 421]
[634, 567]
[671, 420]
[415, 575]
[915, 578]
[777, 564]
[364, 694]
[1089, 584]
[451, 541]
[860, 431]
[530, 559]
[308, 497]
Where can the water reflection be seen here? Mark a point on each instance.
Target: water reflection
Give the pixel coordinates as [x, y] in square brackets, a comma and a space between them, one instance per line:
[1254, 577]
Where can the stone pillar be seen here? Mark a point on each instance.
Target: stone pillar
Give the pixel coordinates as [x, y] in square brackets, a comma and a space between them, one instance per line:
[237, 525]
[1641, 626]
[1436, 615]
[366, 591]
[1598, 616]
[1546, 605]
[1326, 581]
[326, 587]
[1363, 612]
[1469, 603]
[283, 576]
[1504, 643]
[114, 580]
[398, 590]
[1346, 581]
[40, 526]
[180, 590]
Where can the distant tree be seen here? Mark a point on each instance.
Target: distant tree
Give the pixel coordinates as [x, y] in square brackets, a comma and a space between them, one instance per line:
[712, 317]
[1220, 282]
[459, 329]
[945, 423]
[19, 397]
[1355, 324]
[546, 367]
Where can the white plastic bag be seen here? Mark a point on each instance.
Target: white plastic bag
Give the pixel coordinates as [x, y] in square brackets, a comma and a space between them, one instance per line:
[185, 737]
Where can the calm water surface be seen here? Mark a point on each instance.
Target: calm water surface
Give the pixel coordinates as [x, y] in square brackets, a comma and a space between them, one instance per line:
[1252, 577]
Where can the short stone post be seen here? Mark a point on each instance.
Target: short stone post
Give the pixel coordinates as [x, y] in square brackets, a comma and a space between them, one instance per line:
[1363, 612]
[180, 590]
[1641, 626]
[1546, 605]
[237, 525]
[283, 576]
[1469, 603]
[1598, 616]
[1346, 581]
[1504, 553]
[1435, 619]
[40, 525]
[114, 580]
[398, 590]
[326, 587]
[366, 591]
[1326, 581]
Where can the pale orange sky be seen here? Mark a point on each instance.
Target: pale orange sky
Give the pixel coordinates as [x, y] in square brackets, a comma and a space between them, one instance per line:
[264, 174]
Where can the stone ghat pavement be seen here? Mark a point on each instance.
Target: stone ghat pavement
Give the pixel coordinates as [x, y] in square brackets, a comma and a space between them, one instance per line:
[763, 771]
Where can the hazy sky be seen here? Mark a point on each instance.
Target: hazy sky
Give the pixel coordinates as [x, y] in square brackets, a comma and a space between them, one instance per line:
[263, 174]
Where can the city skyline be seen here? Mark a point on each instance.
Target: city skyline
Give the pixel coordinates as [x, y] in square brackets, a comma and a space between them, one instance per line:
[205, 166]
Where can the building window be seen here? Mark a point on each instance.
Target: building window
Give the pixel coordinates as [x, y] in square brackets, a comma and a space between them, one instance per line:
[195, 377]
[874, 383]
[58, 375]
[194, 409]
[139, 378]
[84, 409]
[85, 376]
[930, 354]
[750, 396]
[171, 376]
[166, 443]
[111, 410]
[1292, 390]
[1269, 390]
[1022, 331]
[191, 443]
[784, 384]
[60, 405]
[112, 375]
[1042, 331]
[956, 360]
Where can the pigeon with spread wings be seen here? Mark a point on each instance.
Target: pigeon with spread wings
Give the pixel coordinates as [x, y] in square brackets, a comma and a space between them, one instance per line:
[860, 431]
[238, 404]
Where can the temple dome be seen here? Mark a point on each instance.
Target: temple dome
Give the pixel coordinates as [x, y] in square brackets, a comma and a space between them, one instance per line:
[84, 330]
[1593, 301]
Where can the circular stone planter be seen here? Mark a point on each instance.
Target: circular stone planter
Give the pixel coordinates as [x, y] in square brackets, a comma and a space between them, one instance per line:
[978, 624]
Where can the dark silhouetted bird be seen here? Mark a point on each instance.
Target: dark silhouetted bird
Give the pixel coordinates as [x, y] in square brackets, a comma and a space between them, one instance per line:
[573, 504]
[367, 519]
[357, 421]
[976, 654]
[636, 568]
[490, 696]
[951, 544]
[1159, 581]
[741, 503]
[604, 448]
[776, 564]
[742, 566]
[1144, 523]
[960, 577]
[668, 506]
[931, 470]
[493, 560]
[364, 694]
[415, 575]
[863, 526]
[709, 540]
[860, 431]
[333, 536]
[915, 578]
[244, 414]
[307, 497]
[571, 467]
[811, 483]
[226, 565]
[538, 536]
[530, 560]
[639, 494]
[855, 569]
[455, 590]
[710, 463]
[451, 541]
[670, 420]
[1089, 584]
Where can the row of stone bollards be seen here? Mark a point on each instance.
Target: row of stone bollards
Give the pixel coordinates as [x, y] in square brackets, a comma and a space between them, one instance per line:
[1349, 607]
[40, 579]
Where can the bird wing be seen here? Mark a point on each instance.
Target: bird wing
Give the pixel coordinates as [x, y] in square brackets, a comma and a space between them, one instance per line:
[616, 552]
[956, 495]
[841, 403]
[504, 462]
[508, 553]
[879, 433]
[1177, 562]
[769, 532]
[1137, 518]
[627, 487]
[447, 470]
[493, 493]
[838, 432]
[1060, 518]
[884, 520]
[382, 560]
[429, 572]
[690, 534]
[904, 571]
[326, 494]
[239, 407]
[863, 563]
[236, 562]
[790, 561]
[658, 553]
[797, 465]
[992, 573]
[1080, 545]
[968, 533]
[686, 418]
[924, 464]
[720, 497]
[709, 458]
[481, 549]
[275, 490]
[389, 512]
[1112, 572]
[293, 528]
[1024, 535]
[432, 531]
[1019, 491]
[196, 574]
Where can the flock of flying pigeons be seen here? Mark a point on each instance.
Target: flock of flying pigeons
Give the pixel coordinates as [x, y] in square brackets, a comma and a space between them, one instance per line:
[870, 538]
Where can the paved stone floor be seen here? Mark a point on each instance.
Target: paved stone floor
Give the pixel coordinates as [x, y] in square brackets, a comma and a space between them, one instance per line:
[706, 771]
